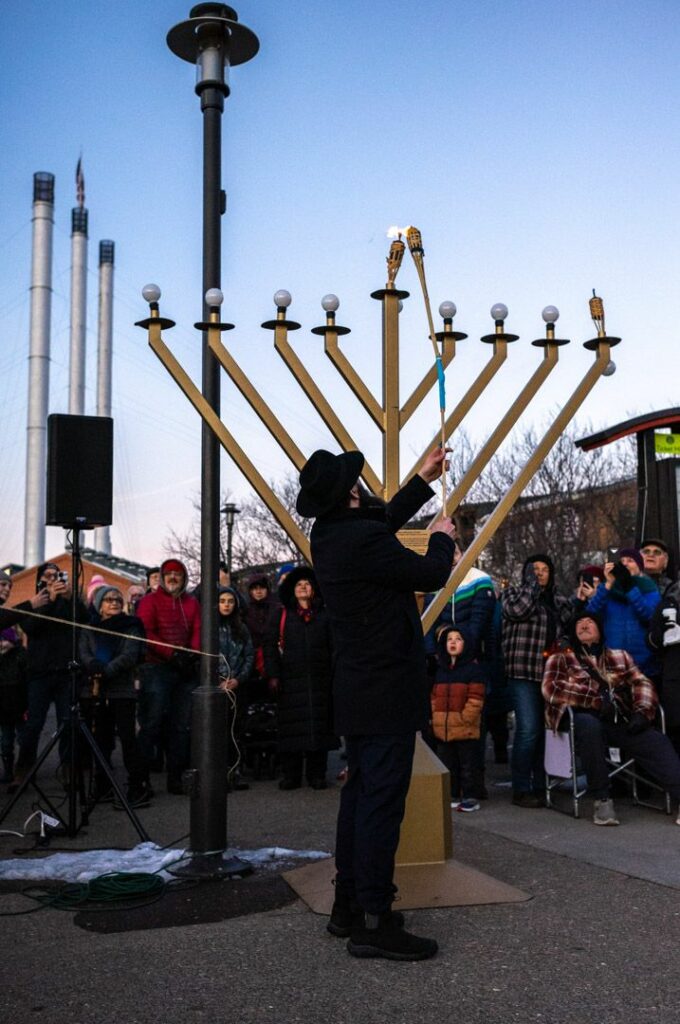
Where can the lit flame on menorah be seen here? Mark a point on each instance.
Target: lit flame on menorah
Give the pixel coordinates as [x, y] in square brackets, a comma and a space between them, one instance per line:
[389, 415]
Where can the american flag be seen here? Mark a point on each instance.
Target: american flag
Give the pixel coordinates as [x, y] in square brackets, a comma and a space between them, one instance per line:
[80, 183]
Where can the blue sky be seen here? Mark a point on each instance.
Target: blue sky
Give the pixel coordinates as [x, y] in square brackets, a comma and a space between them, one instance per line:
[534, 142]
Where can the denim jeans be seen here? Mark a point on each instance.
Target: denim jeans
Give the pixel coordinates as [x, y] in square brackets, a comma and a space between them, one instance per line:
[372, 803]
[164, 692]
[528, 745]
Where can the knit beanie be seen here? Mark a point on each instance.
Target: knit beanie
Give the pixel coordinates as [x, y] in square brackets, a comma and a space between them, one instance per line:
[631, 553]
[95, 583]
[101, 593]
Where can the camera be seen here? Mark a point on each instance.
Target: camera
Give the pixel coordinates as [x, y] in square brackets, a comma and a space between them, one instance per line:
[62, 576]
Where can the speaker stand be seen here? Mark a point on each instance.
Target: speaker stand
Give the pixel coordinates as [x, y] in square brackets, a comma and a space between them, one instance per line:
[76, 727]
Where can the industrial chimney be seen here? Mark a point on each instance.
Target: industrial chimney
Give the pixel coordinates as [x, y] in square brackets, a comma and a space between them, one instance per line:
[102, 535]
[38, 367]
[76, 394]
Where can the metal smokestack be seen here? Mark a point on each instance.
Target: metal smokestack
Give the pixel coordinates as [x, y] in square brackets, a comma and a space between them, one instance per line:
[38, 367]
[76, 394]
[102, 535]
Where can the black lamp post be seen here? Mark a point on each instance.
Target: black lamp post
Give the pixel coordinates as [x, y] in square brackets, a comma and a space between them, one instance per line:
[229, 511]
[213, 40]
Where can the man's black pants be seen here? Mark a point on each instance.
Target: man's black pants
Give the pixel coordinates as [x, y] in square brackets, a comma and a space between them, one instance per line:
[371, 811]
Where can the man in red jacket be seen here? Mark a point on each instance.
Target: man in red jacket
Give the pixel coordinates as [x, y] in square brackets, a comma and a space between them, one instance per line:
[172, 619]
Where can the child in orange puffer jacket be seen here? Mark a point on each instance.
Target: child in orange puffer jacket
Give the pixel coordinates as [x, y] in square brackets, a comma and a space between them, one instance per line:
[457, 700]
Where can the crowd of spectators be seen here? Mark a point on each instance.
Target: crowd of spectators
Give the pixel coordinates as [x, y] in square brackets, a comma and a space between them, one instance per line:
[609, 651]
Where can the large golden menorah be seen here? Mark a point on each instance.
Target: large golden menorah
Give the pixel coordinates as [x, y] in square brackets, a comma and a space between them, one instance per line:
[389, 415]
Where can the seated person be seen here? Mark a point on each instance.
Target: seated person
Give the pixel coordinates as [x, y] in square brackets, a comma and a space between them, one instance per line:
[614, 706]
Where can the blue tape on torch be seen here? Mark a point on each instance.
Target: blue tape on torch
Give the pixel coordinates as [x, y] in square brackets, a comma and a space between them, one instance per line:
[442, 383]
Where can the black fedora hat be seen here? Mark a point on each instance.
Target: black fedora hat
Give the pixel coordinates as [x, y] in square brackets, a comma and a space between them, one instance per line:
[326, 479]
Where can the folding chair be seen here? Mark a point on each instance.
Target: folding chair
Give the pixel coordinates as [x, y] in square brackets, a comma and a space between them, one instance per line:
[561, 765]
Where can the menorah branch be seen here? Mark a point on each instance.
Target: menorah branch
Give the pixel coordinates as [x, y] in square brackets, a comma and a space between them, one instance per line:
[321, 404]
[228, 442]
[254, 399]
[506, 503]
[477, 387]
[496, 438]
[352, 378]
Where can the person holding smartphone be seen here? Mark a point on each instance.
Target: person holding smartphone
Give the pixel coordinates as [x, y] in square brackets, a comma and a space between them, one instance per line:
[626, 600]
[48, 655]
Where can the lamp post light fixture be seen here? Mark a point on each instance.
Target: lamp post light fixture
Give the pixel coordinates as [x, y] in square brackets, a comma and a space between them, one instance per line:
[229, 511]
[213, 39]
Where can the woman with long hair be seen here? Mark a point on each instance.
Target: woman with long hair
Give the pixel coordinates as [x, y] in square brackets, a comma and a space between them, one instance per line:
[298, 663]
[236, 665]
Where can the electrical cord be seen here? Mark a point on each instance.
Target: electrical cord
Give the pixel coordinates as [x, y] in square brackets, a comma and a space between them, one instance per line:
[114, 890]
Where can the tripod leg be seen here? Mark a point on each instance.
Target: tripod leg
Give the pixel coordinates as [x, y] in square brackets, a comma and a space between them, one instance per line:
[30, 780]
[104, 765]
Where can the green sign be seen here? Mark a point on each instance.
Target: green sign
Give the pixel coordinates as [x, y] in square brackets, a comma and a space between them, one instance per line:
[667, 444]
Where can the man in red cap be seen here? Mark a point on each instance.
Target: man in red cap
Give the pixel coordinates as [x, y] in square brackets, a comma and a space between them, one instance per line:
[172, 618]
[367, 580]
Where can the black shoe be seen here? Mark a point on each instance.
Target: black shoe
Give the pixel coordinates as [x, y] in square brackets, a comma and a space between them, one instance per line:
[289, 784]
[175, 785]
[382, 938]
[528, 799]
[318, 784]
[347, 917]
[137, 796]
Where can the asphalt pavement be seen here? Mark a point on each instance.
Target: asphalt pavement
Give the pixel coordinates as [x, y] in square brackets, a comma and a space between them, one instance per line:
[596, 941]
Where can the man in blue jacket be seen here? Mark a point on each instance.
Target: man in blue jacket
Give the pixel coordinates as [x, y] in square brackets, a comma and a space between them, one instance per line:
[368, 580]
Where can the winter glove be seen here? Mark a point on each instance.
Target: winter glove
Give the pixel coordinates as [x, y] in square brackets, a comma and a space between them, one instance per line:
[623, 577]
[96, 668]
[638, 724]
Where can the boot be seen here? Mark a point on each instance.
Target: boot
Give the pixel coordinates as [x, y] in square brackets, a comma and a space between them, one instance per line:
[8, 765]
[347, 916]
[381, 937]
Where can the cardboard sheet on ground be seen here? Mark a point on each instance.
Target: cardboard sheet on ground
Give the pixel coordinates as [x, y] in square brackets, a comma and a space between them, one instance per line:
[448, 884]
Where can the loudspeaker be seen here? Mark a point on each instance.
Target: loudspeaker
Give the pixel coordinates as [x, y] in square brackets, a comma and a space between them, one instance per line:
[79, 471]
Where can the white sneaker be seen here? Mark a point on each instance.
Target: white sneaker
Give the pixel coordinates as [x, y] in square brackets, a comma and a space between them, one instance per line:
[677, 820]
[604, 813]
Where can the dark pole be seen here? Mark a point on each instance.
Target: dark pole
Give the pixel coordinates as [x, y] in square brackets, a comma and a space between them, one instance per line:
[213, 39]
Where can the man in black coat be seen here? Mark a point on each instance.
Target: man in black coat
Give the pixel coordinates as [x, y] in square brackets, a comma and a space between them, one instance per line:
[368, 580]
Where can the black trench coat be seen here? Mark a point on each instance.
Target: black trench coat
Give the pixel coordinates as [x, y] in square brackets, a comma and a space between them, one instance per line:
[368, 580]
[303, 668]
